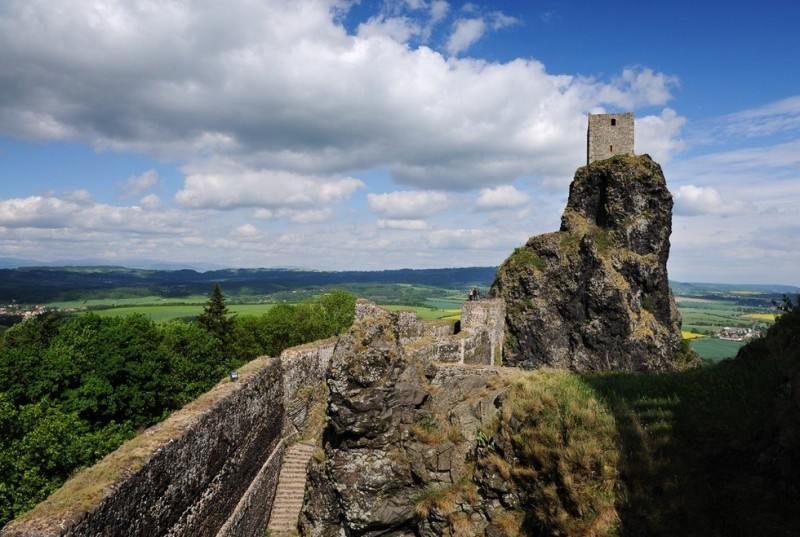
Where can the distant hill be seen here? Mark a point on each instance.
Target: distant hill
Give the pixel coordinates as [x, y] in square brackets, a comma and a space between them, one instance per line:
[702, 288]
[42, 284]
[47, 284]
[16, 262]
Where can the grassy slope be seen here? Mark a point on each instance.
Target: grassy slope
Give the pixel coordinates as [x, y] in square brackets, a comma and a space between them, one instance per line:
[709, 451]
[712, 451]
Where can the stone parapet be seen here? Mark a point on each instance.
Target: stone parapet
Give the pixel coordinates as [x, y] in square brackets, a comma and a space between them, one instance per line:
[210, 469]
[479, 341]
[183, 476]
[304, 369]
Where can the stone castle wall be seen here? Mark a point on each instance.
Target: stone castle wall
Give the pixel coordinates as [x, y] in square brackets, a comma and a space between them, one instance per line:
[609, 135]
[479, 340]
[211, 468]
[302, 368]
[411, 328]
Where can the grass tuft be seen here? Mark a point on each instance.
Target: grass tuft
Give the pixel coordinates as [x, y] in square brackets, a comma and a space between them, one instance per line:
[564, 440]
[510, 523]
[443, 499]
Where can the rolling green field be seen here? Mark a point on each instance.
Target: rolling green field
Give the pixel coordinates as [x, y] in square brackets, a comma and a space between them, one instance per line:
[429, 303]
[169, 312]
[704, 311]
[716, 349]
[706, 316]
[708, 348]
[428, 314]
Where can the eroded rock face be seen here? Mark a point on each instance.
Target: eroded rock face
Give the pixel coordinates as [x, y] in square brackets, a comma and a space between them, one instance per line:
[595, 295]
[398, 428]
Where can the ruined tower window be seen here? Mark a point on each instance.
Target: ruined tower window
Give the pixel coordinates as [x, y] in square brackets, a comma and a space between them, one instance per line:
[611, 149]
[613, 122]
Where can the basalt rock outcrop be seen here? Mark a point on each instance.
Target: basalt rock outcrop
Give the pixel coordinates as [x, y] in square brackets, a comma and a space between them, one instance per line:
[401, 431]
[594, 295]
[415, 447]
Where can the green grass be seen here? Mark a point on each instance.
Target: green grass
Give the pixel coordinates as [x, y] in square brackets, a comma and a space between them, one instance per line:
[705, 451]
[565, 459]
[179, 311]
[708, 451]
[447, 307]
[715, 349]
[426, 314]
[157, 313]
[526, 257]
[443, 498]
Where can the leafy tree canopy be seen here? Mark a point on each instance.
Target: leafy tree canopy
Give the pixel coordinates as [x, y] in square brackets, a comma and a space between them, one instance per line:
[74, 388]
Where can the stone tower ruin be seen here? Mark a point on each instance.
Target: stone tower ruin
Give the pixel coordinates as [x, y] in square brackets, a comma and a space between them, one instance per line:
[609, 135]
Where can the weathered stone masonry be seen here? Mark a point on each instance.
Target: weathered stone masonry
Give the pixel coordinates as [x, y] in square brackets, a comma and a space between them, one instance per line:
[609, 135]
[211, 468]
[478, 341]
[208, 470]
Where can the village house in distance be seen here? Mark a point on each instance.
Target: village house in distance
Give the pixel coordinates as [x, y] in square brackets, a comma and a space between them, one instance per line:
[609, 135]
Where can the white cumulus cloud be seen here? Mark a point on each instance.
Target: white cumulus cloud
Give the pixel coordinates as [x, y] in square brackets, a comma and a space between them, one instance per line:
[50, 212]
[501, 197]
[280, 85]
[277, 111]
[138, 185]
[660, 136]
[402, 224]
[461, 239]
[465, 33]
[408, 205]
[691, 200]
[237, 188]
[150, 202]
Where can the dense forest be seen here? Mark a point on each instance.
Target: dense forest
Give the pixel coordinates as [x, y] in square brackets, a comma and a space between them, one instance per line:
[74, 388]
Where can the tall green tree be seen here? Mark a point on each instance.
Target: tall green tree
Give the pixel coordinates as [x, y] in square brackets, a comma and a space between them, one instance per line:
[215, 317]
[195, 358]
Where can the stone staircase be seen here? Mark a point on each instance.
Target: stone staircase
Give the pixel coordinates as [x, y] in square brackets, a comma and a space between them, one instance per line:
[289, 494]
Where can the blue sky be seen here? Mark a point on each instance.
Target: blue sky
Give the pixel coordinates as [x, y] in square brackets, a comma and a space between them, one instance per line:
[329, 134]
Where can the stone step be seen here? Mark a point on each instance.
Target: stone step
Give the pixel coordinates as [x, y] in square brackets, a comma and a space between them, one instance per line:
[288, 505]
[294, 492]
[283, 512]
[295, 465]
[287, 500]
[291, 489]
[294, 479]
[284, 522]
